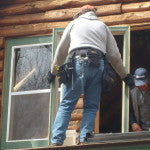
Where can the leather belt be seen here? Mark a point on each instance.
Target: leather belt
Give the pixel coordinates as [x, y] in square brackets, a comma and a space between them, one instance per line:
[85, 52]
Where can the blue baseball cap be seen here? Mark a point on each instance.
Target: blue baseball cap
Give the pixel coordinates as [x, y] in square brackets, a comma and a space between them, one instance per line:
[140, 76]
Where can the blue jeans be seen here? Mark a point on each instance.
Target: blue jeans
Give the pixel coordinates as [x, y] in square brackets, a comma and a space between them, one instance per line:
[87, 81]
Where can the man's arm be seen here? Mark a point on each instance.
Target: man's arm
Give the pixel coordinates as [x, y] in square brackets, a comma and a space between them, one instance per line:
[132, 119]
[61, 50]
[113, 55]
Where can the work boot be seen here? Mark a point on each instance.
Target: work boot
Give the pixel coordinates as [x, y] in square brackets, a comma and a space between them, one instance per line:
[88, 135]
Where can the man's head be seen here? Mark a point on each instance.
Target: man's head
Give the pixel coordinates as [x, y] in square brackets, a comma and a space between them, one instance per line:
[141, 78]
[84, 9]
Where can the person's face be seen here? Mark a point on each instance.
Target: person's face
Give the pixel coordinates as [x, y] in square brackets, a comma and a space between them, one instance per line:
[143, 87]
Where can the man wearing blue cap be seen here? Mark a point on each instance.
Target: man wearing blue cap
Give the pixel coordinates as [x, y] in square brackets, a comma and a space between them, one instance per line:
[140, 106]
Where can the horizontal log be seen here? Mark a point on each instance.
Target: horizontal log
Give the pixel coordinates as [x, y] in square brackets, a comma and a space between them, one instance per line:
[127, 18]
[132, 7]
[10, 2]
[0, 115]
[138, 26]
[30, 29]
[40, 6]
[75, 117]
[1, 86]
[1, 54]
[56, 15]
[1, 42]
[71, 123]
[77, 111]
[74, 127]
[1, 76]
[46, 28]
[1, 65]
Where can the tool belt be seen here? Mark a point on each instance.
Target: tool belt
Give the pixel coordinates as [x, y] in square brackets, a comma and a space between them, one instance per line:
[65, 72]
[92, 55]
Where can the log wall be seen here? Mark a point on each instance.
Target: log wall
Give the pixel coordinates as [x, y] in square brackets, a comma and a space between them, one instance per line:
[19, 18]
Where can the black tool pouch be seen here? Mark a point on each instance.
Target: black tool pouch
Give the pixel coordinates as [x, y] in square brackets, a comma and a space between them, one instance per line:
[110, 77]
[65, 73]
[94, 60]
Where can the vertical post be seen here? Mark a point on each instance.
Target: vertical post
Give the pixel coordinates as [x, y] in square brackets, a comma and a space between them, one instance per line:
[125, 88]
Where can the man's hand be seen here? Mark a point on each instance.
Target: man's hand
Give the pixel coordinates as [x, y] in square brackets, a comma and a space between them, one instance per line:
[136, 127]
[129, 80]
[50, 77]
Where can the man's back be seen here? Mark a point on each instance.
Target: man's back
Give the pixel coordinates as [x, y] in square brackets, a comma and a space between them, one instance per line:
[88, 31]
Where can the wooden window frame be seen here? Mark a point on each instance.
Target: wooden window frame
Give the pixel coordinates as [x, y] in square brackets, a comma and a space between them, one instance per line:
[116, 30]
[11, 43]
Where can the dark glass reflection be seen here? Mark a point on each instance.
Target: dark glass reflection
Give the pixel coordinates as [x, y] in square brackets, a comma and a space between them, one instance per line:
[31, 67]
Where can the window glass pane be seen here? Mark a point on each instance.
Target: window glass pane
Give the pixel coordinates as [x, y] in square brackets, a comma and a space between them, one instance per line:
[29, 116]
[31, 66]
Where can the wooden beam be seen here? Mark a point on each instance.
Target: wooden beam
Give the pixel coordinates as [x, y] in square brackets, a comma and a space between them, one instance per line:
[138, 26]
[56, 15]
[127, 18]
[75, 117]
[46, 28]
[1, 76]
[1, 54]
[14, 2]
[40, 6]
[1, 65]
[97, 122]
[74, 125]
[132, 7]
[1, 87]
[30, 29]
[0, 111]
[10, 2]
[1, 42]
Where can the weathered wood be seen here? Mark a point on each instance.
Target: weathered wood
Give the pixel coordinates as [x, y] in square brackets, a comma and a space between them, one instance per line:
[1, 76]
[1, 87]
[0, 111]
[97, 122]
[74, 125]
[79, 105]
[132, 7]
[8, 2]
[40, 6]
[46, 28]
[1, 65]
[1, 54]
[1, 42]
[127, 18]
[75, 117]
[56, 15]
[30, 29]
[138, 26]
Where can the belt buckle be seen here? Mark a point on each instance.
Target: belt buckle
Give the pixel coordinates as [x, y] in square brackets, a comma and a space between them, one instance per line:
[83, 53]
